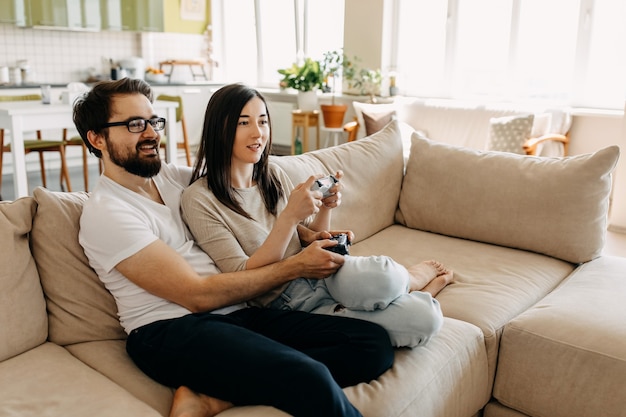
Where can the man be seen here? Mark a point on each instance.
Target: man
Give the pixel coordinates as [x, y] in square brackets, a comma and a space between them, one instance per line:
[188, 325]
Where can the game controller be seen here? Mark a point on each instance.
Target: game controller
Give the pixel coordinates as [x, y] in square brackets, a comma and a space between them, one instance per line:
[324, 185]
[342, 244]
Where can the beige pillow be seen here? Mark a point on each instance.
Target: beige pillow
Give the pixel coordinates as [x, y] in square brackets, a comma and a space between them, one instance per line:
[373, 169]
[23, 320]
[79, 306]
[371, 109]
[554, 206]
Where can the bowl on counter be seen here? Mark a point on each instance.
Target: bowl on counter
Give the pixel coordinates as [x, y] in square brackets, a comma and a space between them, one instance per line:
[156, 78]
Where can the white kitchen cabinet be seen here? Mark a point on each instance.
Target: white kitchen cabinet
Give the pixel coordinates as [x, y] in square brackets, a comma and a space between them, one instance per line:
[195, 100]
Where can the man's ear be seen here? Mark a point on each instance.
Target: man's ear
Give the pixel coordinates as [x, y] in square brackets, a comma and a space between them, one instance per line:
[96, 139]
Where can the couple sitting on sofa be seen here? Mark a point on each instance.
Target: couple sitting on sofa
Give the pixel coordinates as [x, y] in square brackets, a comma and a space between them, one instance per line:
[185, 320]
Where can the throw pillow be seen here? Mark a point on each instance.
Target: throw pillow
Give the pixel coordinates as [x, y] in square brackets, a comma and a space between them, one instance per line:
[554, 206]
[373, 180]
[508, 134]
[369, 108]
[374, 122]
[80, 308]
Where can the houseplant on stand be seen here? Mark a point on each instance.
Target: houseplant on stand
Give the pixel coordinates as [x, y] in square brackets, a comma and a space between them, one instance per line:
[332, 65]
[306, 78]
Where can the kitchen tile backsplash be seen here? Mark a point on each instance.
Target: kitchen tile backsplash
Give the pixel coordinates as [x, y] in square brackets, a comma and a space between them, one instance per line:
[59, 57]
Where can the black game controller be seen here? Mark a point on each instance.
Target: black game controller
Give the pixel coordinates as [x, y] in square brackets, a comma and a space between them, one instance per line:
[324, 185]
[342, 244]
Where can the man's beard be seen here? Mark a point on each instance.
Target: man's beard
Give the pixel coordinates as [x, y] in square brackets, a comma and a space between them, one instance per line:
[146, 167]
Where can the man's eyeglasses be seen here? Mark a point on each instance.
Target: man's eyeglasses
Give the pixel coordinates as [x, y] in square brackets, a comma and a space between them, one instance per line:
[139, 125]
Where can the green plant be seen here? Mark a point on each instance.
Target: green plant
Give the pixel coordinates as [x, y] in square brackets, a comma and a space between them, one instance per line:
[363, 81]
[332, 67]
[305, 77]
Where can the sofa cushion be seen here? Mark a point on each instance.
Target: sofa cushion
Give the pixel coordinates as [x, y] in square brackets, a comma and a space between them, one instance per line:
[373, 169]
[567, 355]
[23, 323]
[48, 381]
[508, 134]
[375, 122]
[554, 206]
[492, 284]
[79, 306]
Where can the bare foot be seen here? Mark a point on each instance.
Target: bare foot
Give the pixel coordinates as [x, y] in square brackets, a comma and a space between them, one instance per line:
[435, 286]
[423, 273]
[188, 403]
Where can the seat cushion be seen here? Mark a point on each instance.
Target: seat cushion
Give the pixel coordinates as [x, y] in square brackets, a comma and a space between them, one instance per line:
[23, 319]
[567, 355]
[554, 206]
[492, 284]
[48, 381]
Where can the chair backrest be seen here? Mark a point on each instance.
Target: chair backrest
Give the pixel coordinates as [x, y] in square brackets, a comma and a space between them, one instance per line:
[177, 99]
[24, 97]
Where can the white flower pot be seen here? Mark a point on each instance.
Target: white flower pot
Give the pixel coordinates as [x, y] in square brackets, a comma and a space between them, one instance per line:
[307, 100]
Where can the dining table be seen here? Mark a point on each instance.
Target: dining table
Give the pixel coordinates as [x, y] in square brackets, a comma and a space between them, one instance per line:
[20, 117]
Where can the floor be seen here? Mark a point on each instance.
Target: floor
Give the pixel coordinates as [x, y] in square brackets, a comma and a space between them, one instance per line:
[615, 242]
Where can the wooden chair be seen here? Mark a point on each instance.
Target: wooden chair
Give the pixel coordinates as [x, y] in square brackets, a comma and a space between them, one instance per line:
[530, 146]
[352, 128]
[180, 117]
[38, 145]
[78, 141]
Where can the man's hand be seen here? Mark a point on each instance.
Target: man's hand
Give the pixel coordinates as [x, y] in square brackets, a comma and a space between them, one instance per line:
[316, 262]
[308, 236]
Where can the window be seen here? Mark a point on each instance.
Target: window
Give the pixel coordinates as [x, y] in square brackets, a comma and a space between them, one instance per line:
[561, 51]
[254, 38]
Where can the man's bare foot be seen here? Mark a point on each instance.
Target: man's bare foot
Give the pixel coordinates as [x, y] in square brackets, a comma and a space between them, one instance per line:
[188, 403]
[423, 273]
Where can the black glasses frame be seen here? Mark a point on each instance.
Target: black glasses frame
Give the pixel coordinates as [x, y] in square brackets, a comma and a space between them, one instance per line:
[157, 123]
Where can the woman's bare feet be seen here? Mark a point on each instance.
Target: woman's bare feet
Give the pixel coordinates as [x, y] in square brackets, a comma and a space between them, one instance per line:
[188, 403]
[435, 286]
[424, 272]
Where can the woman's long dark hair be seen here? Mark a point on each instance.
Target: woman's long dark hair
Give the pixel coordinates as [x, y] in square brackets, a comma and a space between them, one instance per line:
[216, 149]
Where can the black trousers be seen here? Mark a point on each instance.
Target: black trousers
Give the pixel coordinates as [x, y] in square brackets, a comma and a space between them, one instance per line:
[294, 361]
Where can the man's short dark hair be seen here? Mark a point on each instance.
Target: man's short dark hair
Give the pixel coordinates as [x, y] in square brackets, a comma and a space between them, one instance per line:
[93, 109]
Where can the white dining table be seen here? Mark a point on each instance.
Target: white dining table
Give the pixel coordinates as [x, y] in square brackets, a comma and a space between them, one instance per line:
[19, 117]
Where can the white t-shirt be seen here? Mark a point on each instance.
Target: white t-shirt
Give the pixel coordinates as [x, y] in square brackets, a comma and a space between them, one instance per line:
[117, 223]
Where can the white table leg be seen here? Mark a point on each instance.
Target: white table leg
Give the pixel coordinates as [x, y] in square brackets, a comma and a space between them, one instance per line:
[20, 178]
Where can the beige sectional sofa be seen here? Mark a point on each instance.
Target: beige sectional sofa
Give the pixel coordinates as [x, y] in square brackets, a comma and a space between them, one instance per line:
[534, 320]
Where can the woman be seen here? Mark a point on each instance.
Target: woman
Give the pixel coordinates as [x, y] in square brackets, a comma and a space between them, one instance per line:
[245, 213]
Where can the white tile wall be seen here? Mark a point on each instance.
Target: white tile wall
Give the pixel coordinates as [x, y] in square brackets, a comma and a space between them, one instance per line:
[59, 57]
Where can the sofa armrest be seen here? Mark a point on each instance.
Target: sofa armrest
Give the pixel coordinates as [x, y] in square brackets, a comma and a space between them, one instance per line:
[530, 146]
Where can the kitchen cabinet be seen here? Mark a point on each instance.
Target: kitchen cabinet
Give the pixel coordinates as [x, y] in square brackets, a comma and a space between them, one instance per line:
[12, 11]
[195, 99]
[68, 14]
[111, 14]
[142, 15]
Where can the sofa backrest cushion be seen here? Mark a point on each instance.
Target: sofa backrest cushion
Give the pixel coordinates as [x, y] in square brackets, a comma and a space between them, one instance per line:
[80, 308]
[554, 206]
[23, 319]
[373, 168]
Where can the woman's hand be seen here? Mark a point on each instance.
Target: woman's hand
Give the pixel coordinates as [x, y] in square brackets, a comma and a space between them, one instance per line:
[334, 200]
[303, 202]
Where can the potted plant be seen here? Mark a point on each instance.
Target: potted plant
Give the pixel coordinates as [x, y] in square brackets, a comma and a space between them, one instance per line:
[306, 78]
[361, 81]
[332, 66]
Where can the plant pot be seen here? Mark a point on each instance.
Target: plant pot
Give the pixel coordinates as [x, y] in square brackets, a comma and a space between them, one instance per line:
[334, 114]
[307, 100]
